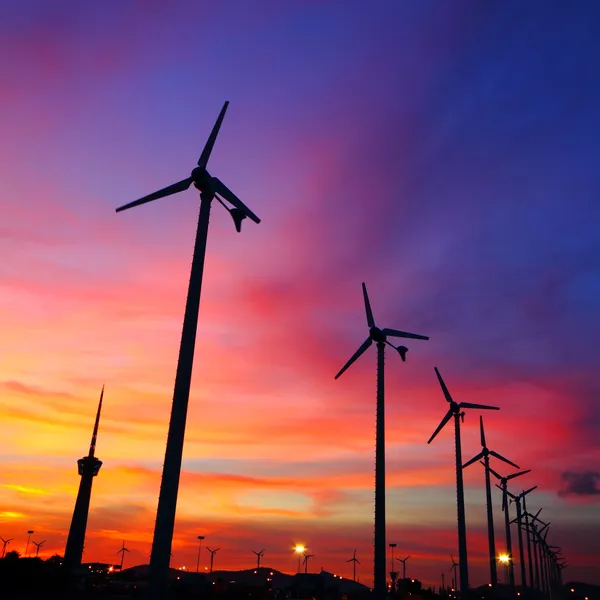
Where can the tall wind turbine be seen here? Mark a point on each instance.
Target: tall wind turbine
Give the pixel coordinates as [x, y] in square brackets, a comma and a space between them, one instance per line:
[258, 557]
[212, 556]
[354, 561]
[88, 467]
[456, 411]
[502, 486]
[519, 521]
[379, 336]
[210, 188]
[485, 455]
[403, 561]
[306, 557]
[4, 544]
[38, 545]
[453, 568]
[122, 553]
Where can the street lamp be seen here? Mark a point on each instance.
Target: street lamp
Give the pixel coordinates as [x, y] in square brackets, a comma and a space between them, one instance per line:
[504, 559]
[200, 537]
[299, 550]
[28, 537]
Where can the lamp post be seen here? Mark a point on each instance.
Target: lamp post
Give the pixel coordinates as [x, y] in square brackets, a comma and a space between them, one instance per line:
[200, 537]
[28, 538]
[504, 559]
[299, 550]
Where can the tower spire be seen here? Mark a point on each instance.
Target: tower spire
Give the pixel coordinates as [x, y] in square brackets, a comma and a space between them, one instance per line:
[95, 434]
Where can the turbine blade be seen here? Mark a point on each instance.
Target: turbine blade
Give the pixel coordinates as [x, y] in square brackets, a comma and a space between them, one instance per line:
[517, 474]
[362, 349]
[481, 431]
[440, 426]
[220, 188]
[480, 406]
[500, 457]
[404, 334]
[529, 490]
[202, 162]
[495, 474]
[475, 458]
[180, 186]
[370, 320]
[444, 388]
[511, 495]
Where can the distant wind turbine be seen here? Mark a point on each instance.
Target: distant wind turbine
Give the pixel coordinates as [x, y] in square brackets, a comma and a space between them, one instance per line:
[485, 455]
[4, 544]
[306, 557]
[210, 188]
[122, 553]
[502, 486]
[258, 557]
[403, 561]
[456, 411]
[354, 562]
[453, 568]
[380, 337]
[212, 556]
[38, 545]
[517, 500]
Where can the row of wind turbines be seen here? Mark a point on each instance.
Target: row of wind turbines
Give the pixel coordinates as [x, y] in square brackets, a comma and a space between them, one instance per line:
[211, 188]
[37, 545]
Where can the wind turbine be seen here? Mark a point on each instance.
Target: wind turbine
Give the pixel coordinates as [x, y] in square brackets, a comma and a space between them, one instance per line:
[453, 568]
[456, 411]
[38, 545]
[403, 561]
[210, 188]
[4, 544]
[354, 560]
[122, 553]
[485, 455]
[379, 336]
[258, 556]
[212, 556]
[517, 500]
[306, 557]
[502, 486]
[532, 530]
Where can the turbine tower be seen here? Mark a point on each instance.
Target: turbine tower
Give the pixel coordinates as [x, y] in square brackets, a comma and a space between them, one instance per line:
[380, 337]
[485, 455]
[258, 557]
[455, 410]
[38, 545]
[453, 568]
[88, 468]
[306, 557]
[4, 544]
[354, 561]
[502, 486]
[209, 187]
[519, 521]
[212, 556]
[122, 553]
[403, 561]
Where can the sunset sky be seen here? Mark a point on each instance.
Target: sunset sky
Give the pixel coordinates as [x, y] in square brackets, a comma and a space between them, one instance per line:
[446, 153]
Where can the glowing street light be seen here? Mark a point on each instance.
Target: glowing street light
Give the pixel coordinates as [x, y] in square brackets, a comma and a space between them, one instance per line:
[299, 550]
[504, 559]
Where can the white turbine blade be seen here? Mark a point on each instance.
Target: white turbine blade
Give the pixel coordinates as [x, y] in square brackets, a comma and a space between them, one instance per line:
[370, 319]
[480, 406]
[475, 458]
[362, 349]
[440, 426]
[202, 162]
[180, 186]
[444, 388]
[404, 334]
[220, 188]
[500, 457]
[517, 474]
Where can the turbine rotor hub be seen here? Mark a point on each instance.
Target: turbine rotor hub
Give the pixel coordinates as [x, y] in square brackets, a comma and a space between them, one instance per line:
[454, 407]
[377, 335]
[485, 451]
[201, 179]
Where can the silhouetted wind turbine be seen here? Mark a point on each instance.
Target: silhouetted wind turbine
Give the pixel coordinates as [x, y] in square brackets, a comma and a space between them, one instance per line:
[532, 534]
[380, 337]
[212, 556]
[4, 544]
[210, 188]
[502, 486]
[354, 560]
[258, 556]
[38, 545]
[485, 455]
[456, 411]
[403, 561]
[453, 568]
[517, 500]
[306, 557]
[122, 553]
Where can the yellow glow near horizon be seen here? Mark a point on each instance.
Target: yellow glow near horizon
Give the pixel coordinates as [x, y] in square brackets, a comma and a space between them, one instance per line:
[299, 548]
[504, 559]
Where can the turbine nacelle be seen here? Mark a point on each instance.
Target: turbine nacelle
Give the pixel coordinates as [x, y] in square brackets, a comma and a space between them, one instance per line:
[377, 335]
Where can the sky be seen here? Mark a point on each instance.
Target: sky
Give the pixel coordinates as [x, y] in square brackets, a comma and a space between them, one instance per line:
[444, 153]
